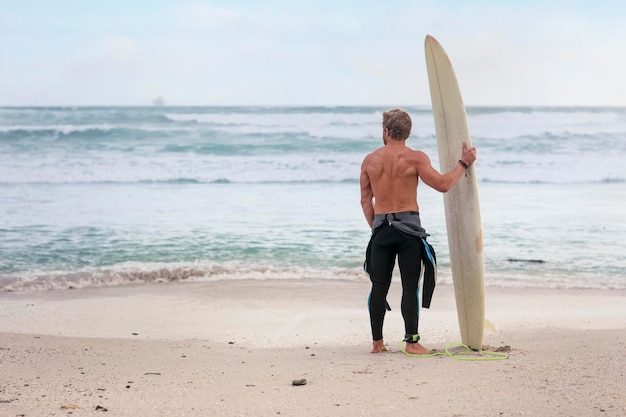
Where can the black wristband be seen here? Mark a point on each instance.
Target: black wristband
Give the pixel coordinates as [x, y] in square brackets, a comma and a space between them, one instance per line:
[463, 164]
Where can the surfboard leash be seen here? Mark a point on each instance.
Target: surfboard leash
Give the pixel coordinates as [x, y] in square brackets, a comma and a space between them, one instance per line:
[488, 356]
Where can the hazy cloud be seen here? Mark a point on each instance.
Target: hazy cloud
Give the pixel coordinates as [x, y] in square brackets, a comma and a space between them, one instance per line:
[310, 53]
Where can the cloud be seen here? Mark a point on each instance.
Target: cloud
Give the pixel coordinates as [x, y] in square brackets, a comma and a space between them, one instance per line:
[117, 48]
[556, 57]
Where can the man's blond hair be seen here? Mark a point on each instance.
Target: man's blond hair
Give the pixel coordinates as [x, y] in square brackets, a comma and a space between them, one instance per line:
[398, 122]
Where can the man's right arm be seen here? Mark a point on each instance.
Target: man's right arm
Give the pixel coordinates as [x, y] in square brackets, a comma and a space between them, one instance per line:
[443, 183]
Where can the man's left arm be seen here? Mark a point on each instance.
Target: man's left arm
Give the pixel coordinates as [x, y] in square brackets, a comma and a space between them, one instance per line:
[367, 197]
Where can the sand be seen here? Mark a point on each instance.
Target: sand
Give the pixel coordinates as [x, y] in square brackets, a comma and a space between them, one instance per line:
[234, 348]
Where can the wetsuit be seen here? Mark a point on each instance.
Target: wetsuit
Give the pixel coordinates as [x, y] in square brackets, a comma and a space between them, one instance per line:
[401, 235]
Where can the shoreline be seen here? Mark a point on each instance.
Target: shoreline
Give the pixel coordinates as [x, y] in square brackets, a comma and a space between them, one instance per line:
[284, 312]
[233, 348]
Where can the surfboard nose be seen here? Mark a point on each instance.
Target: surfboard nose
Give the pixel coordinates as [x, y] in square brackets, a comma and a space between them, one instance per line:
[430, 41]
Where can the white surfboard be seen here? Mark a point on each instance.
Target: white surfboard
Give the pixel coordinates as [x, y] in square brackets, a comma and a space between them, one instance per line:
[465, 237]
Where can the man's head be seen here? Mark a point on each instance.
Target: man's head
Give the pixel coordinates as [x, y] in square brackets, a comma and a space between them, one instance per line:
[398, 124]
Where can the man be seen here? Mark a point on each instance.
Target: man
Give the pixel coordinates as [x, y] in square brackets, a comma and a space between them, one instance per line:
[389, 180]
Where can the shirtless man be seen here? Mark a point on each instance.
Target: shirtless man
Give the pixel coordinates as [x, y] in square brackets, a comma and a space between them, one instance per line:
[389, 179]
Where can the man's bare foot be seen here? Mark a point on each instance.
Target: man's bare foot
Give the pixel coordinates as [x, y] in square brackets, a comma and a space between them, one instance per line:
[379, 346]
[416, 349]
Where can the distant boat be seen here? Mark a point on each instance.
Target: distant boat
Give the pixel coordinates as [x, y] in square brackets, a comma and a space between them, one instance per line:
[158, 102]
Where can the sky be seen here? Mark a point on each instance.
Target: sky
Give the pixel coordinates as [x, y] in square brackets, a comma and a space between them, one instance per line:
[318, 52]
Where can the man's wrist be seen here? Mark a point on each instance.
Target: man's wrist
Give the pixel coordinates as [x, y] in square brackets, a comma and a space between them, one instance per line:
[463, 164]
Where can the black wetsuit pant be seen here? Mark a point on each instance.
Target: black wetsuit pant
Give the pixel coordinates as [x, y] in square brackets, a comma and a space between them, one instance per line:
[387, 243]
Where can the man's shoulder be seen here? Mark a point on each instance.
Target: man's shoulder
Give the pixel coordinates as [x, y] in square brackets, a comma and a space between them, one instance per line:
[418, 153]
[413, 154]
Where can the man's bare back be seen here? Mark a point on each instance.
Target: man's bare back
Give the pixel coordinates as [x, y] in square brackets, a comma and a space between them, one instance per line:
[393, 176]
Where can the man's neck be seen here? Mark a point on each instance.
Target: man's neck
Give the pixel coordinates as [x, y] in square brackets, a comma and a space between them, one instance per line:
[396, 143]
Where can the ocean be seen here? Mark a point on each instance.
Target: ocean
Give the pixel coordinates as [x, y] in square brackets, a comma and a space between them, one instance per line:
[113, 196]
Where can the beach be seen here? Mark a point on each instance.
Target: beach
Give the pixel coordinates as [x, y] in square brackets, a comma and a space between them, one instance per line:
[235, 348]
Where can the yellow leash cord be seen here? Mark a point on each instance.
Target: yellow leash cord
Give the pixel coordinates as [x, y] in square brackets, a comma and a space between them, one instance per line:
[489, 356]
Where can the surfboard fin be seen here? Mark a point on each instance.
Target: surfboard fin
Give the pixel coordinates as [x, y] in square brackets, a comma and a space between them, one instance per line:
[490, 326]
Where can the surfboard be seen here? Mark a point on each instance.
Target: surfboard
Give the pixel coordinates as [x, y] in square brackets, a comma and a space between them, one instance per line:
[461, 203]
